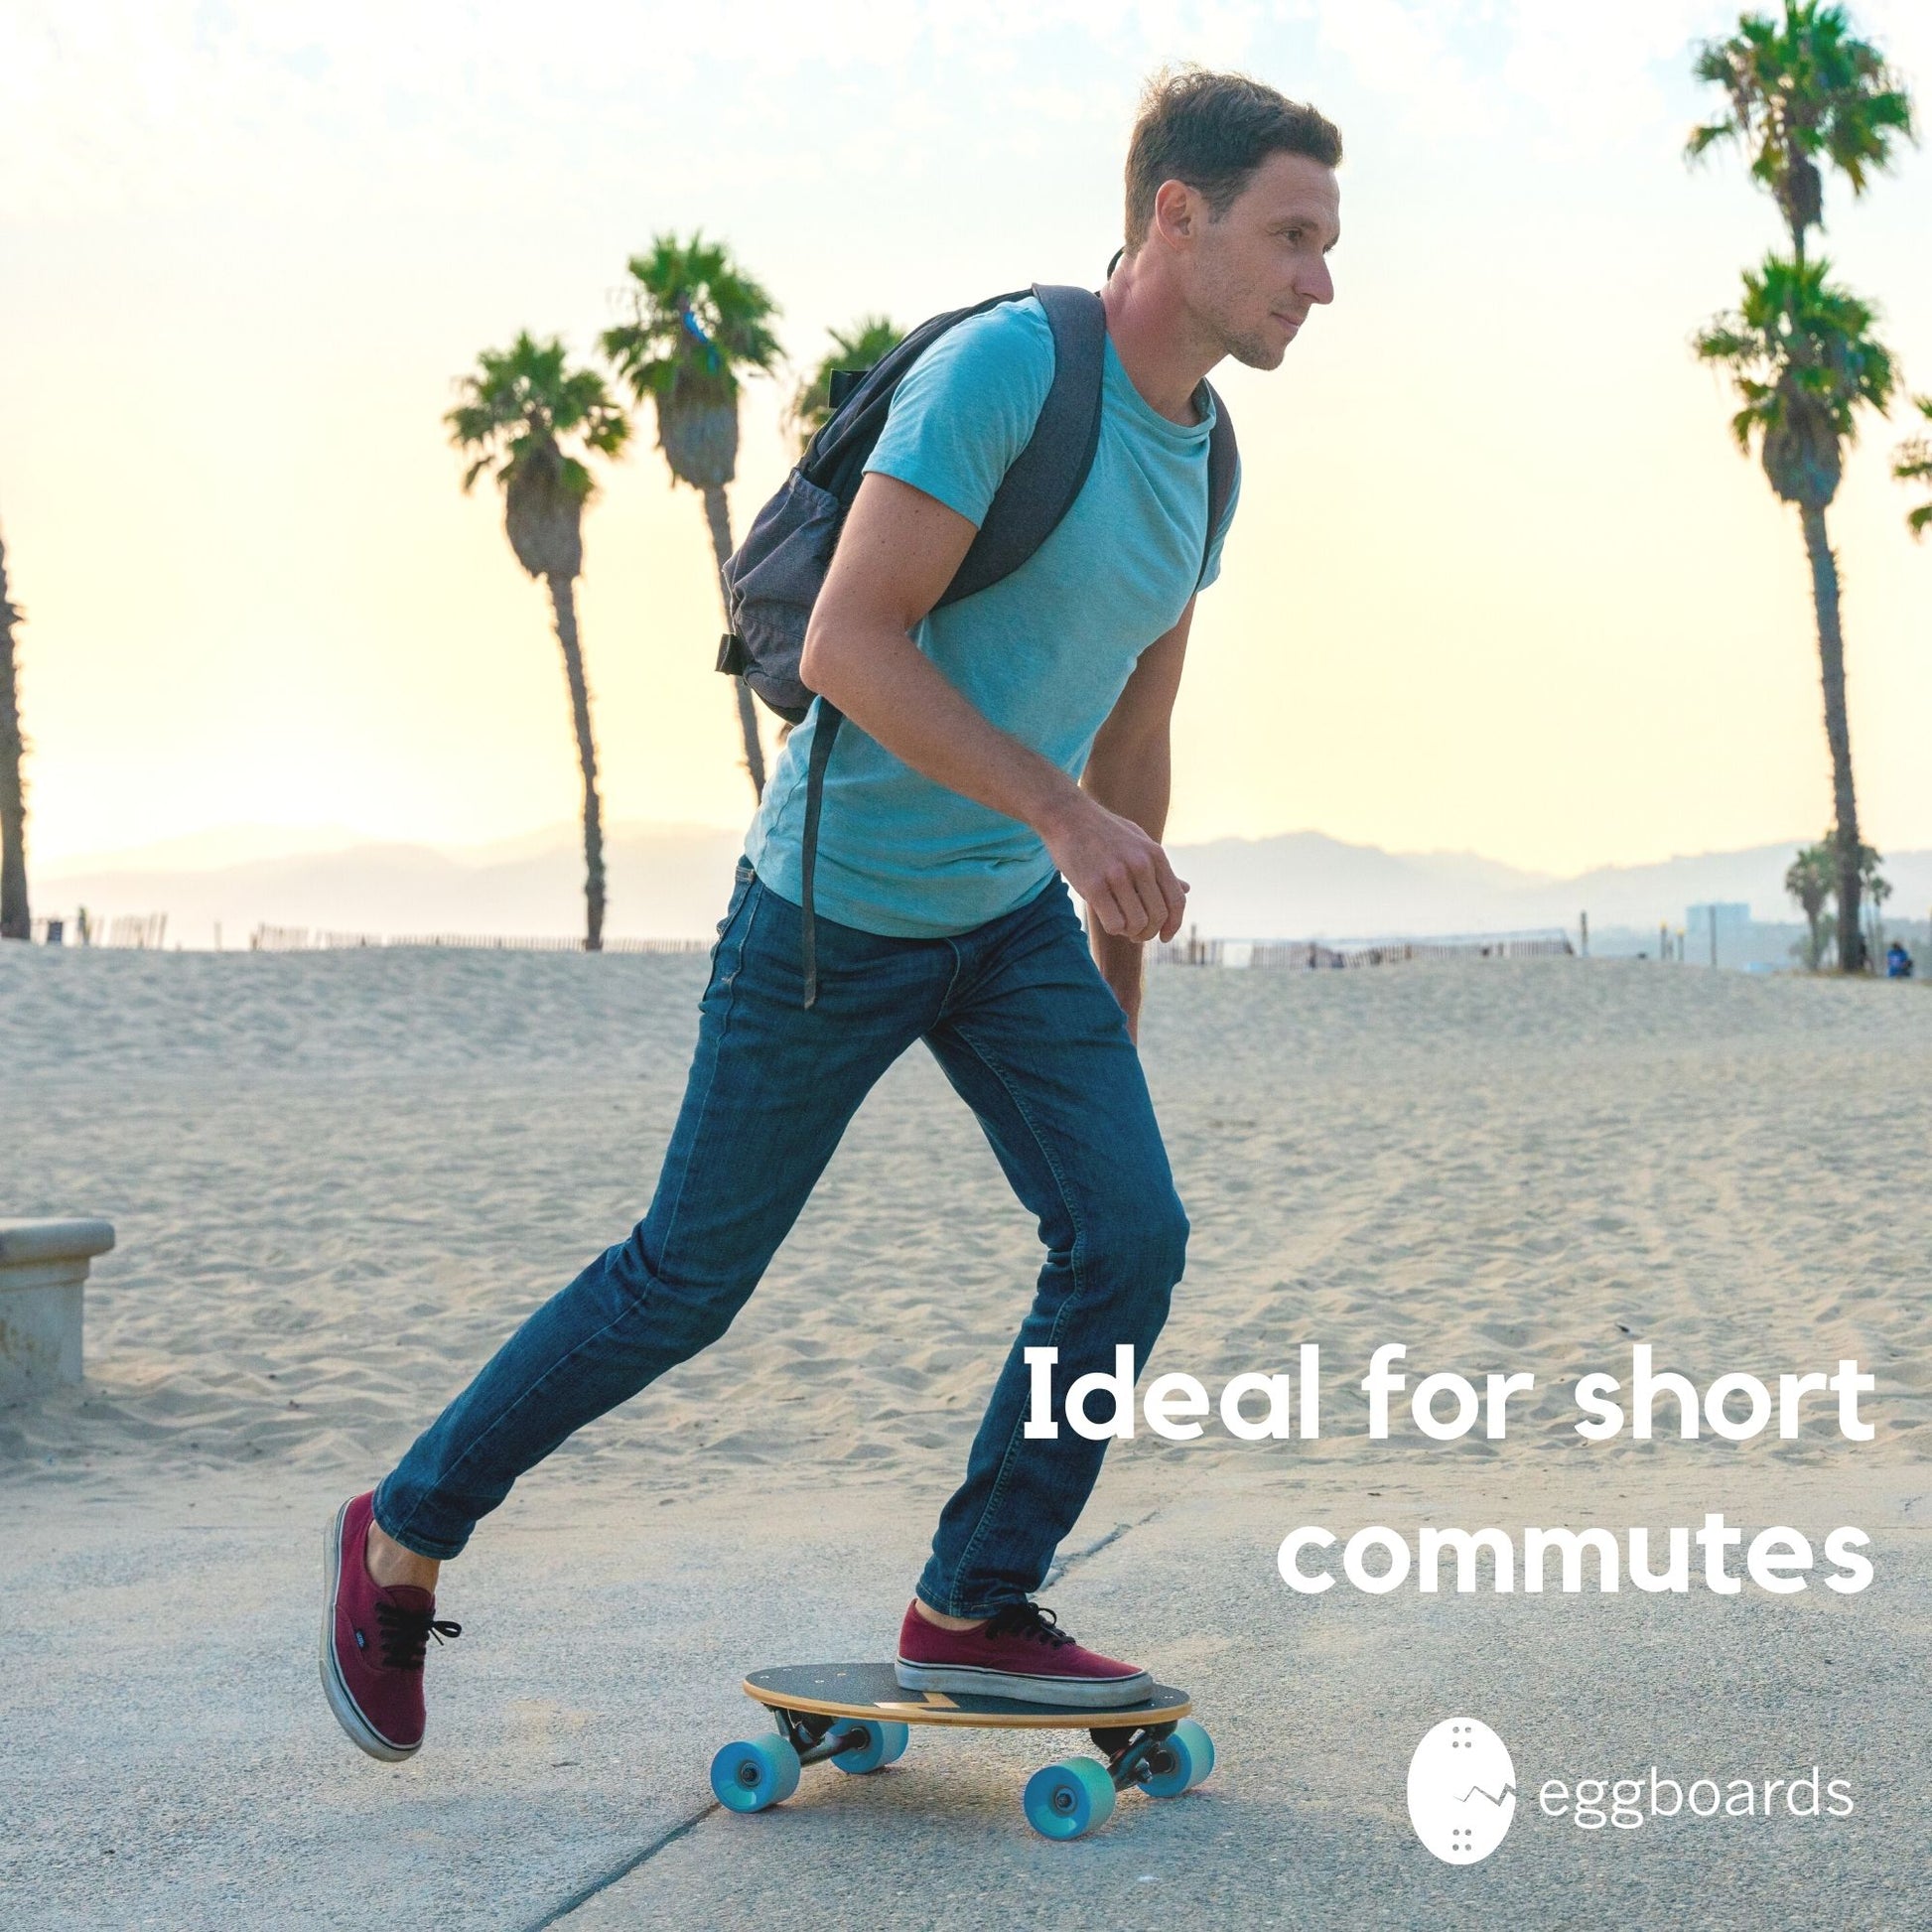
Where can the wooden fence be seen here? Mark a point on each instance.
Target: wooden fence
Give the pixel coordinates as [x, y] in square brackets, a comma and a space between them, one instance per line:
[1310, 955]
[292, 938]
[136, 931]
[144, 930]
[148, 930]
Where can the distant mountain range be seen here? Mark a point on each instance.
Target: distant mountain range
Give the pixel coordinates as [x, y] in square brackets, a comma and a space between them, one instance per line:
[1303, 885]
[672, 880]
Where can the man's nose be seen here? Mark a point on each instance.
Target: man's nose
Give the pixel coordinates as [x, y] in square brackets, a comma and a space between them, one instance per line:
[1319, 285]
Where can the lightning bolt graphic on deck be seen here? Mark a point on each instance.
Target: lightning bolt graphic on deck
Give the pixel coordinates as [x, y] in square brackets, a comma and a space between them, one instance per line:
[1495, 1798]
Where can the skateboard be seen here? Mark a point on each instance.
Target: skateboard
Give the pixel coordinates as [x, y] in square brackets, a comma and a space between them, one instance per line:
[857, 1716]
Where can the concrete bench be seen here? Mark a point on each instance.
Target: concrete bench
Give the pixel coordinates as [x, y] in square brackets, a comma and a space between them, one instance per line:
[43, 1267]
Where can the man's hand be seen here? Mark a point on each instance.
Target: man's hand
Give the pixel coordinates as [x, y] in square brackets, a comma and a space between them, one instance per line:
[1119, 868]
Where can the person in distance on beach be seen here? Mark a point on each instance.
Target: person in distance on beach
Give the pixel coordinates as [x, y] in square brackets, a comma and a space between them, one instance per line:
[997, 752]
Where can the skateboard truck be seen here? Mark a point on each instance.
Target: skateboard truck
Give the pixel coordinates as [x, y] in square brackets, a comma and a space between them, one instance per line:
[1135, 1753]
[815, 1738]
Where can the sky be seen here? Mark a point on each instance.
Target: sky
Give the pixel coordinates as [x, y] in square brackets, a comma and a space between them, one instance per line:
[1500, 580]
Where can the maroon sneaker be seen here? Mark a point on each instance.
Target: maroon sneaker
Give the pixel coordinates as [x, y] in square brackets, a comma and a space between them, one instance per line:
[373, 1641]
[1018, 1652]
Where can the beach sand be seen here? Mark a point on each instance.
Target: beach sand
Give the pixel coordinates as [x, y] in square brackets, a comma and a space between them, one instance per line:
[339, 1180]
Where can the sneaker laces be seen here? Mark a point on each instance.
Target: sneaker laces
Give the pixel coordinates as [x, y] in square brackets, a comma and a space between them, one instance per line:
[405, 1634]
[1027, 1621]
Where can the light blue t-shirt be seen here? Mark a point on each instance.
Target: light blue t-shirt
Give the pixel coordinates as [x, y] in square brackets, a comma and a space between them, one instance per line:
[1043, 654]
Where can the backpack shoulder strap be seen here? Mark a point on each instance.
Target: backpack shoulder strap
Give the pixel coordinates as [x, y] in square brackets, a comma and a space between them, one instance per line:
[835, 461]
[1223, 460]
[830, 718]
[1047, 475]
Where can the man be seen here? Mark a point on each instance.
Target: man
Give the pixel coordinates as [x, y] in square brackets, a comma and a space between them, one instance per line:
[996, 752]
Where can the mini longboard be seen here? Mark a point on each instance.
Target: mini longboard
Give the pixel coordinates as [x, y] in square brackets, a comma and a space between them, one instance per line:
[857, 1716]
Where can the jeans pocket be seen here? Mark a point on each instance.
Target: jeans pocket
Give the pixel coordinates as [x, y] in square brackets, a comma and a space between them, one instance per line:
[746, 883]
[744, 879]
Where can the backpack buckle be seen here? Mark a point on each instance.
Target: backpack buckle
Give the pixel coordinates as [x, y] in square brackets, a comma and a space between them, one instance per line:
[731, 653]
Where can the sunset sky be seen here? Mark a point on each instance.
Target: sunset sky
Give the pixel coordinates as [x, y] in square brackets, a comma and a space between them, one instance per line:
[1500, 580]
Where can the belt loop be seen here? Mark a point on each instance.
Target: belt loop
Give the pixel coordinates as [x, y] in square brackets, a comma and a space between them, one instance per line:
[824, 730]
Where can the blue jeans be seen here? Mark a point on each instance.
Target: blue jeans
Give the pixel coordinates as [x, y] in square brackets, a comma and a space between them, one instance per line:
[1029, 1035]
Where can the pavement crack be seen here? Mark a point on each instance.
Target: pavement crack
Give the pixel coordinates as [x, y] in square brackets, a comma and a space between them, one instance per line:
[558, 1914]
[1061, 1564]
[583, 1896]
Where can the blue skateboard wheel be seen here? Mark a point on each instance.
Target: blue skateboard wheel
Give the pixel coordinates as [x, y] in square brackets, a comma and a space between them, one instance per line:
[883, 1743]
[1183, 1758]
[756, 1773]
[1069, 1798]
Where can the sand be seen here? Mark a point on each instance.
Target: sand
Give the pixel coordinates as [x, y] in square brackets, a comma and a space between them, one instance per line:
[337, 1180]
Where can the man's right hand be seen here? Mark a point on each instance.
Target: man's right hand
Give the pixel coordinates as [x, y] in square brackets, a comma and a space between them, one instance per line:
[1118, 869]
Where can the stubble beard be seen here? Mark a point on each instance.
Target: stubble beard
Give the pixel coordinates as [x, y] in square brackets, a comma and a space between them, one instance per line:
[1254, 351]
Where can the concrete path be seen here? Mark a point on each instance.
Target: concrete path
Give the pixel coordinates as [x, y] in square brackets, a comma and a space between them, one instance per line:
[166, 1759]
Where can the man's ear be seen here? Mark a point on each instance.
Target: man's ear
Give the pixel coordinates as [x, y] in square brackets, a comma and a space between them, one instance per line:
[1177, 212]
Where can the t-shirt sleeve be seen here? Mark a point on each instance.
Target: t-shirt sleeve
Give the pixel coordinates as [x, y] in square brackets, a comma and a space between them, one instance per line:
[968, 406]
[1213, 569]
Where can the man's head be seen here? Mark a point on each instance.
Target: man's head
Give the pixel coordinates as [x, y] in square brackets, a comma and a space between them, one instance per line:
[1233, 188]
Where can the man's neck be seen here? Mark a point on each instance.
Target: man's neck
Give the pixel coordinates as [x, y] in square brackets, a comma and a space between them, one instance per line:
[1163, 348]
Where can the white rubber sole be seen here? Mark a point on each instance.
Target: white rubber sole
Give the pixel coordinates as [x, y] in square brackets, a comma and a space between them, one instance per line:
[1068, 1693]
[348, 1714]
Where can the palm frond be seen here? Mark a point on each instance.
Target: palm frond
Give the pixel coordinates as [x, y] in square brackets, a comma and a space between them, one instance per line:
[1911, 462]
[1804, 362]
[525, 403]
[1804, 88]
[1708, 136]
[696, 323]
[858, 347]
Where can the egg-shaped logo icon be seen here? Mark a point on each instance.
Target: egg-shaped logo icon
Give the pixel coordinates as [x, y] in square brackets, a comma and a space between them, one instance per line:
[1461, 1790]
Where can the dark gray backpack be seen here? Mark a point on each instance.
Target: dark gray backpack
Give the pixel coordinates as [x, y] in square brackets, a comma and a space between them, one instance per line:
[773, 577]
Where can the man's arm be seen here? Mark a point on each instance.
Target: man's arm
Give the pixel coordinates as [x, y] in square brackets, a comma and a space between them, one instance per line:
[1128, 771]
[896, 554]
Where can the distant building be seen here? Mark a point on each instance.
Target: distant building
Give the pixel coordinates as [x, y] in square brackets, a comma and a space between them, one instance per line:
[1718, 935]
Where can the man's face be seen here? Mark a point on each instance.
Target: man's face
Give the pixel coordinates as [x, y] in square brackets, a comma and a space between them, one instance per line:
[1254, 274]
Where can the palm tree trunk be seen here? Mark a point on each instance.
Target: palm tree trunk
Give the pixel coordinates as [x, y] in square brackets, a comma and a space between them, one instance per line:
[718, 515]
[1837, 735]
[563, 600]
[16, 922]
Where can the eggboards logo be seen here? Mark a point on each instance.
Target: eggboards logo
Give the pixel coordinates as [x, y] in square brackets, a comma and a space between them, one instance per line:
[1461, 1790]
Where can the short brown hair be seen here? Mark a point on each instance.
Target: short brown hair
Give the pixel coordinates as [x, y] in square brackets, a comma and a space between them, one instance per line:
[1213, 131]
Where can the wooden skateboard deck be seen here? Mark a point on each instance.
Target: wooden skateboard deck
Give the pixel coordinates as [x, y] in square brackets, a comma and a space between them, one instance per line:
[874, 1691]
[859, 1716]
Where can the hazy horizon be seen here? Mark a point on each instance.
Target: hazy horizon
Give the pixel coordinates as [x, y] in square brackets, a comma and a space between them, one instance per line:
[672, 882]
[1500, 583]
[211, 848]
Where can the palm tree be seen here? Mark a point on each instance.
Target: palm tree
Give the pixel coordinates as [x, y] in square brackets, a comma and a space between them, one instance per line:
[868, 339]
[1801, 88]
[1803, 361]
[1911, 462]
[697, 321]
[16, 921]
[1878, 889]
[525, 412]
[1809, 880]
